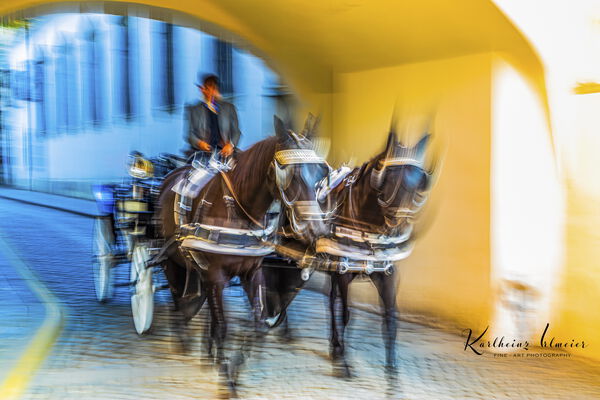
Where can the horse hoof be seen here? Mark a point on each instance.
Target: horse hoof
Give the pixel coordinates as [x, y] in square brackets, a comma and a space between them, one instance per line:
[341, 369]
[228, 383]
[227, 391]
[391, 368]
[288, 337]
[232, 391]
[208, 350]
[262, 329]
[336, 353]
[183, 344]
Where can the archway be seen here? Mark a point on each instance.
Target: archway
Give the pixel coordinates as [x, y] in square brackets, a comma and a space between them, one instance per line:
[351, 61]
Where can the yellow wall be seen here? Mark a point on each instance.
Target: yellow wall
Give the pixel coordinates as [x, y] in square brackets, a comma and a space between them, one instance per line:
[448, 275]
[576, 312]
[576, 308]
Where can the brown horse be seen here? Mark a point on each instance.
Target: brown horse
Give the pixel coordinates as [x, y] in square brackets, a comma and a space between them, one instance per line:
[377, 207]
[281, 168]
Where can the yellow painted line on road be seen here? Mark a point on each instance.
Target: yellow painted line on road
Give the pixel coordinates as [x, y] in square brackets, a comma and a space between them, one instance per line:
[18, 378]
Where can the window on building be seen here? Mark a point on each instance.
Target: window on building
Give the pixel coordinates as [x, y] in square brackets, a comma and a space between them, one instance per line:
[124, 92]
[40, 94]
[163, 70]
[62, 87]
[94, 61]
[169, 77]
[21, 83]
[224, 60]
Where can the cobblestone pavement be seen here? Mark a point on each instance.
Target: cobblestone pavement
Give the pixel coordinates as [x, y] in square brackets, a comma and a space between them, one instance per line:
[99, 355]
[21, 315]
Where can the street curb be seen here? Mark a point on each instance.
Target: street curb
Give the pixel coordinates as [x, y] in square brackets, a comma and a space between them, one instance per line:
[34, 203]
[40, 345]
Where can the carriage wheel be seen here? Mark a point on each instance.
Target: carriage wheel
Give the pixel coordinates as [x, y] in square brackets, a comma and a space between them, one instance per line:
[103, 258]
[142, 289]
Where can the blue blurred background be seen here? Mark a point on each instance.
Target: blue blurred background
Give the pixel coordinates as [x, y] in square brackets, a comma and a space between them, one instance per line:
[81, 91]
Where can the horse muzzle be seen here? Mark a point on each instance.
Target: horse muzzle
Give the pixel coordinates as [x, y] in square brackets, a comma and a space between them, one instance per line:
[309, 218]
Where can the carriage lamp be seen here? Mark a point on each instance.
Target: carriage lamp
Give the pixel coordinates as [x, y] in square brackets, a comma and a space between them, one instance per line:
[140, 168]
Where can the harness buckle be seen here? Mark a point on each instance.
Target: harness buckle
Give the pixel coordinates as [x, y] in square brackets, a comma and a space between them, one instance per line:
[350, 180]
[213, 235]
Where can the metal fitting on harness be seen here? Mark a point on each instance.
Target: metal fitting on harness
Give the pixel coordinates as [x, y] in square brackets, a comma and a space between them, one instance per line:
[388, 269]
[306, 272]
[183, 204]
[343, 267]
[231, 207]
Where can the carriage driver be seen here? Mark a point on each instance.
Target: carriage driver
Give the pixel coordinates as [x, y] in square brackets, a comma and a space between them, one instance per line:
[211, 123]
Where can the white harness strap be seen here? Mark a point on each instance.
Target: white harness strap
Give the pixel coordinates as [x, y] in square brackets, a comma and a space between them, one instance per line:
[298, 156]
[331, 247]
[372, 238]
[327, 184]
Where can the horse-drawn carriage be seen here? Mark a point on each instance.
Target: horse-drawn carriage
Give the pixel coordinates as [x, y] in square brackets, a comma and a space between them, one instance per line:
[126, 232]
[281, 197]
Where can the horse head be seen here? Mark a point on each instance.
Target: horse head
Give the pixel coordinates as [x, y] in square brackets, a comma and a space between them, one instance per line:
[297, 170]
[402, 179]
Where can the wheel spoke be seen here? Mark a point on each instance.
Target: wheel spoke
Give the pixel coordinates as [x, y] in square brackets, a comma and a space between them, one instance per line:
[142, 296]
[103, 259]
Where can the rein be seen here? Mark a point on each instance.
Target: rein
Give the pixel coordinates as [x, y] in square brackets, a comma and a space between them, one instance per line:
[230, 188]
[352, 218]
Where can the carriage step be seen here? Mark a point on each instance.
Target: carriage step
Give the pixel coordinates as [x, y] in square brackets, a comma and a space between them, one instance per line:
[122, 284]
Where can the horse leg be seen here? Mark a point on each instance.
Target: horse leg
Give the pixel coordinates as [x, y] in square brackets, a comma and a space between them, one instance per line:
[387, 291]
[215, 301]
[209, 337]
[176, 277]
[288, 333]
[339, 283]
[253, 284]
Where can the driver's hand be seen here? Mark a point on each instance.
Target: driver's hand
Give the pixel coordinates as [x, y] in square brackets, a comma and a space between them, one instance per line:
[202, 145]
[227, 150]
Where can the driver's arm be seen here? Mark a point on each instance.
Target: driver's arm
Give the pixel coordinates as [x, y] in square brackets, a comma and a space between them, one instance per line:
[190, 129]
[234, 132]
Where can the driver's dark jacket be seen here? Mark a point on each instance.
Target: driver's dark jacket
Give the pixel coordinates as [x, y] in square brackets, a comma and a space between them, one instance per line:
[197, 124]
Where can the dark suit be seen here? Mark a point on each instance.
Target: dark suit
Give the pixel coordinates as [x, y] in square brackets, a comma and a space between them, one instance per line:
[197, 120]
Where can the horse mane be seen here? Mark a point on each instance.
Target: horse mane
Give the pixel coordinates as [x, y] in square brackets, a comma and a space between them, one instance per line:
[368, 166]
[253, 165]
[361, 188]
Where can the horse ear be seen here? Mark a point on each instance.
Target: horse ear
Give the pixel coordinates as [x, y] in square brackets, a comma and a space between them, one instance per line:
[392, 142]
[280, 130]
[307, 125]
[315, 128]
[420, 147]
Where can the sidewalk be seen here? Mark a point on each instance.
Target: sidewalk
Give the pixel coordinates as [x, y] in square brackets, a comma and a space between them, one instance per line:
[21, 314]
[31, 319]
[86, 208]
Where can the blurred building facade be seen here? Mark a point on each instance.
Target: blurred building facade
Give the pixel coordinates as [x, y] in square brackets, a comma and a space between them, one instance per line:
[81, 91]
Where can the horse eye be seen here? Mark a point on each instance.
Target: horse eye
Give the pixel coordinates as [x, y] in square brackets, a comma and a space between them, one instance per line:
[412, 179]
